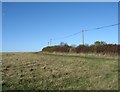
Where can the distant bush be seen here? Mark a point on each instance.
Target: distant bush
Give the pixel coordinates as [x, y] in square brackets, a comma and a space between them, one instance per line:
[35, 52]
[56, 49]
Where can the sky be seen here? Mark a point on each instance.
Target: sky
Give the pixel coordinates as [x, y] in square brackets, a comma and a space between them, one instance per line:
[0, 26]
[28, 27]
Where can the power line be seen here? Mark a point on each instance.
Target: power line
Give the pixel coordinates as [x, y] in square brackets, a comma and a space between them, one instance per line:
[82, 31]
[86, 30]
[102, 27]
[67, 36]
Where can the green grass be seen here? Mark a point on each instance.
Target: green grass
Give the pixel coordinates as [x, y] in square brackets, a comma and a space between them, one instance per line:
[82, 57]
[35, 71]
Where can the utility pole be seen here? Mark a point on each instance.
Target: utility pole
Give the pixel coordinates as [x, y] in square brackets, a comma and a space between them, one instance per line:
[50, 42]
[83, 37]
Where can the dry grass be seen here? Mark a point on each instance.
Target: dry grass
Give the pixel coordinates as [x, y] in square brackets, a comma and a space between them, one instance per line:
[35, 71]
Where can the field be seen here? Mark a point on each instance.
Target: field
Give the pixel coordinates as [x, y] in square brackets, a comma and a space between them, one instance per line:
[42, 71]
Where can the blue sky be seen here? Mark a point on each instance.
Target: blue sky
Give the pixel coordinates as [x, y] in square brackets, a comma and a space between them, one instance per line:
[0, 27]
[29, 26]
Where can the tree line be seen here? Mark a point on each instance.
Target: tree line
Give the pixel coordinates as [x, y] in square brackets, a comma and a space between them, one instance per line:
[97, 47]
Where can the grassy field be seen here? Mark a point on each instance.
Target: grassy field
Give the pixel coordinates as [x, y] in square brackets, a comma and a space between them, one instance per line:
[40, 71]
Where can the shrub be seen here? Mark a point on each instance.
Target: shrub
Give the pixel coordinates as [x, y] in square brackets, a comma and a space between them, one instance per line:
[56, 49]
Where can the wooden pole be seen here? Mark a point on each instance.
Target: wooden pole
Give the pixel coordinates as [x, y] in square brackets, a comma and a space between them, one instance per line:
[83, 37]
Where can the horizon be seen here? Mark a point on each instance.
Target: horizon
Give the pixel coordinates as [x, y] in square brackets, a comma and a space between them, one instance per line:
[51, 46]
[36, 24]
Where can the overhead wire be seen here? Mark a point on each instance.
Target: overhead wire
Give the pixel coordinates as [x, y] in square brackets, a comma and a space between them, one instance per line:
[67, 36]
[102, 27]
[98, 28]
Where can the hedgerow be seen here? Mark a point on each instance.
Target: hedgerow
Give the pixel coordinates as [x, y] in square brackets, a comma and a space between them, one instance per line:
[105, 49]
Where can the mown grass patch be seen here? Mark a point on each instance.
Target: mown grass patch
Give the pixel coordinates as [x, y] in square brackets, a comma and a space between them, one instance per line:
[81, 57]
